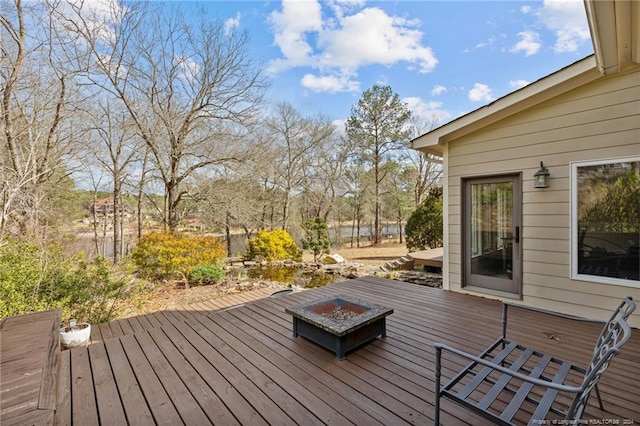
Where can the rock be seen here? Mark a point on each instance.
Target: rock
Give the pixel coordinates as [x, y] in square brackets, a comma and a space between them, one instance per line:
[333, 259]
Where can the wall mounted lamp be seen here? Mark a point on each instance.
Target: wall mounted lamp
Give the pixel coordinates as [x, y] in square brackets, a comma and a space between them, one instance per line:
[541, 178]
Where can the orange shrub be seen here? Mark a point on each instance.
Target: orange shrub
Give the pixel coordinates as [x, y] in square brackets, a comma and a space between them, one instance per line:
[167, 255]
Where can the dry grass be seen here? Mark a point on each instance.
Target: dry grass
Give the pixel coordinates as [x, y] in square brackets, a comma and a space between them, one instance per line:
[368, 255]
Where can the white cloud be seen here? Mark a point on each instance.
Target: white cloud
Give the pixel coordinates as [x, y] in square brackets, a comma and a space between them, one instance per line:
[350, 39]
[529, 43]
[491, 40]
[340, 7]
[373, 37]
[98, 15]
[480, 93]
[190, 68]
[525, 9]
[290, 27]
[330, 83]
[518, 84]
[231, 24]
[431, 112]
[438, 90]
[567, 19]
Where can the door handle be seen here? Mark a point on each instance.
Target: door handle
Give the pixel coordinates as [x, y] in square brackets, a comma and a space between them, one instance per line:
[515, 237]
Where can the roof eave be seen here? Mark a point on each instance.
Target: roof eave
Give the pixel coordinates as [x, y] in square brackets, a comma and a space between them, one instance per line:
[568, 78]
[615, 33]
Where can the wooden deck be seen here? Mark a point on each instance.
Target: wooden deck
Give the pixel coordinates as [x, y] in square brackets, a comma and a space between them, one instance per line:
[431, 257]
[131, 325]
[243, 366]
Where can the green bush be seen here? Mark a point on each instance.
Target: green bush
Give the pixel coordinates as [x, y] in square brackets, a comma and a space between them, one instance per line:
[424, 227]
[93, 291]
[273, 245]
[207, 274]
[166, 255]
[316, 237]
[35, 278]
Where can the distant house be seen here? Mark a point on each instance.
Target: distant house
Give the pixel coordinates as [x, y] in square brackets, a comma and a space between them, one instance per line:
[105, 207]
[571, 246]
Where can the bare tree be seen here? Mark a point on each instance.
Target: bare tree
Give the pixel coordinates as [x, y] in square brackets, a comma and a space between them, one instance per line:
[299, 140]
[325, 183]
[358, 187]
[427, 168]
[35, 92]
[139, 186]
[190, 90]
[116, 150]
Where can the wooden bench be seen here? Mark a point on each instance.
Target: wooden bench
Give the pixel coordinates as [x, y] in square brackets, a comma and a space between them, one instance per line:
[509, 378]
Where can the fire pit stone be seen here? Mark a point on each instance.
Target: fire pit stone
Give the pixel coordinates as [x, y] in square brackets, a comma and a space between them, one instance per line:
[339, 323]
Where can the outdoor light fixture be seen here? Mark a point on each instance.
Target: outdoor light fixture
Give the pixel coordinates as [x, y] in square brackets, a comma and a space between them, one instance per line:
[541, 178]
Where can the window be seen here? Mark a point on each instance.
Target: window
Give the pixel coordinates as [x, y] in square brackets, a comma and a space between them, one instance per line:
[605, 221]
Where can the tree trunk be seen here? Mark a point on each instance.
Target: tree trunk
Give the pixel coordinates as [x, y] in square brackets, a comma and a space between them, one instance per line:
[227, 229]
[139, 212]
[377, 224]
[285, 209]
[95, 225]
[104, 237]
[117, 219]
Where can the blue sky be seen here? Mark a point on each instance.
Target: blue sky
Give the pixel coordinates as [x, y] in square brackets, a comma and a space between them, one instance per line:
[444, 58]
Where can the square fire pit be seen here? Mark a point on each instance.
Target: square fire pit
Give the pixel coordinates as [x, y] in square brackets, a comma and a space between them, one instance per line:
[339, 323]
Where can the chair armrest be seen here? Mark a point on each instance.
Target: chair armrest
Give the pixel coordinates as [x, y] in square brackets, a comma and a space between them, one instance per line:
[474, 359]
[506, 304]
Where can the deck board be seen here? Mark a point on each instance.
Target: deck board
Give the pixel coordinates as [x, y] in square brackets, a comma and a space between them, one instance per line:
[161, 405]
[211, 404]
[83, 402]
[319, 366]
[324, 401]
[63, 392]
[108, 400]
[208, 345]
[133, 401]
[200, 356]
[188, 408]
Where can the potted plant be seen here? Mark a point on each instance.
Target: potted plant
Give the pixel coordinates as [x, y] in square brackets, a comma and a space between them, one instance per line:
[76, 334]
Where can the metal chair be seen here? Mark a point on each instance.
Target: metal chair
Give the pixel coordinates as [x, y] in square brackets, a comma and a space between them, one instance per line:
[508, 377]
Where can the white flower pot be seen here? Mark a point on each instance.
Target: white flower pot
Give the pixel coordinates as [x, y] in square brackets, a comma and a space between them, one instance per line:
[80, 336]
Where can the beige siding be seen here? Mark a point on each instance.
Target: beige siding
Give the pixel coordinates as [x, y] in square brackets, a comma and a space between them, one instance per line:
[597, 121]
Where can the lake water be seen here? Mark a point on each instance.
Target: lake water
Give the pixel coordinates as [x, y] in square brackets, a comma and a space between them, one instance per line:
[84, 242]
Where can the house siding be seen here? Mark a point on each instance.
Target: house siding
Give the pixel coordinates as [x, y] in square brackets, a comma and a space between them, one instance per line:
[597, 121]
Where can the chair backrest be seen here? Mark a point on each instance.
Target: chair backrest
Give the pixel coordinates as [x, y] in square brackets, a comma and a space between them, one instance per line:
[615, 333]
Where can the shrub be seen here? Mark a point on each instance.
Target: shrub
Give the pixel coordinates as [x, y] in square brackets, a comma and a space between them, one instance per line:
[166, 255]
[93, 291]
[424, 227]
[35, 278]
[273, 245]
[316, 237]
[207, 274]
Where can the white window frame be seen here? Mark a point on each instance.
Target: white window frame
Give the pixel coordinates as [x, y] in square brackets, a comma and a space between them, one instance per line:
[574, 223]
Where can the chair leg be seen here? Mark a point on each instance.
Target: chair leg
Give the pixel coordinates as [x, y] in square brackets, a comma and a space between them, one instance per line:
[436, 417]
[599, 398]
